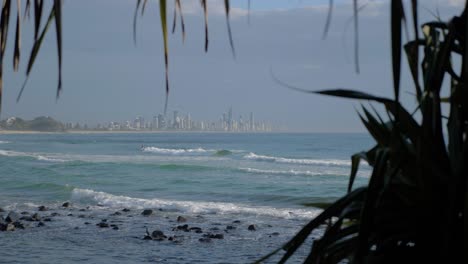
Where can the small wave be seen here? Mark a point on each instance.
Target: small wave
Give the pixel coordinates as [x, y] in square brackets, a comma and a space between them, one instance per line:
[40, 157]
[192, 207]
[326, 162]
[185, 167]
[287, 172]
[223, 152]
[173, 151]
[4, 142]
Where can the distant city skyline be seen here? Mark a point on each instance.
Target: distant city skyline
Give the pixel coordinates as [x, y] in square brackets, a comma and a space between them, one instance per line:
[178, 121]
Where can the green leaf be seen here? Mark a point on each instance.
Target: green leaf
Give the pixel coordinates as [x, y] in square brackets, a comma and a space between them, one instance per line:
[162, 14]
[396, 21]
[205, 12]
[17, 54]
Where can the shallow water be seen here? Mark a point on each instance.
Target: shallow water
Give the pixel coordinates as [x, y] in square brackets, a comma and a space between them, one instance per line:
[210, 178]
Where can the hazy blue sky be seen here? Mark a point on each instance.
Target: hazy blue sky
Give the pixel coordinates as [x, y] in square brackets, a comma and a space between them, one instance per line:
[108, 78]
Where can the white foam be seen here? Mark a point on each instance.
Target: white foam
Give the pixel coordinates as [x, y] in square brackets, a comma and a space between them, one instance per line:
[174, 151]
[192, 207]
[38, 156]
[4, 142]
[288, 172]
[326, 162]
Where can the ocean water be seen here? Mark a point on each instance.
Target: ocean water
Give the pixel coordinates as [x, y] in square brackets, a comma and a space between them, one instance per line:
[214, 180]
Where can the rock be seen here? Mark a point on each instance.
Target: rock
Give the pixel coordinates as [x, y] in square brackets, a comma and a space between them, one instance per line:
[54, 214]
[40, 224]
[47, 219]
[25, 213]
[158, 235]
[26, 218]
[117, 213]
[217, 236]
[184, 228]
[42, 208]
[10, 227]
[1, 210]
[2, 221]
[3, 227]
[69, 214]
[18, 225]
[36, 217]
[12, 217]
[82, 210]
[274, 234]
[147, 212]
[236, 222]
[103, 220]
[229, 227]
[252, 228]
[87, 223]
[115, 227]
[66, 204]
[205, 240]
[196, 229]
[147, 238]
[102, 225]
[126, 210]
[181, 219]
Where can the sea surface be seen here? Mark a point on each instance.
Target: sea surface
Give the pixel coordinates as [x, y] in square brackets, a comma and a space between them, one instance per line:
[214, 180]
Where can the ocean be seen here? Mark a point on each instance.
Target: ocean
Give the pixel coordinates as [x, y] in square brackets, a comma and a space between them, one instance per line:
[221, 183]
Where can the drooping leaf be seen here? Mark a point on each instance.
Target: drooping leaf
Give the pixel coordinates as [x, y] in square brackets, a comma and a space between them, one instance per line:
[182, 23]
[162, 14]
[27, 10]
[35, 50]
[329, 18]
[144, 7]
[396, 25]
[231, 42]
[38, 10]
[138, 3]
[16, 55]
[205, 12]
[4, 25]
[356, 34]
[58, 31]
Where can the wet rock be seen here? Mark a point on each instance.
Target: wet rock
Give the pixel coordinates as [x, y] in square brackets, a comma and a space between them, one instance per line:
[42, 208]
[147, 238]
[12, 217]
[252, 228]
[184, 228]
[126, 210]
[47, 219]
[25, 213]
[66, 204]
[236, 222]
[196, 229]
[26, 218]
[69, 214]
[115, 227]
[275, 234]
[54, 214]
[147, 212]
[158, 235]
[117, 213]
[104, 220]
[214, 236]
[2, 221]
[36, 217]
[229, 227]
[181, 219]
[103, 225]
[82, 210]
[1, 210]
[3, 227]
[18, 225]
[87, 223]
[40, 224]
[205, 240]
[10, 227]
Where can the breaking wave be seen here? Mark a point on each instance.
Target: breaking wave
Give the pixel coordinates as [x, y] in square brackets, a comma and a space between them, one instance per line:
[325, 162]
[119, 201]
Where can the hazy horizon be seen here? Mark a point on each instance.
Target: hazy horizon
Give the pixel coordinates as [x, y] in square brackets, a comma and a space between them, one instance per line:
[107, 78]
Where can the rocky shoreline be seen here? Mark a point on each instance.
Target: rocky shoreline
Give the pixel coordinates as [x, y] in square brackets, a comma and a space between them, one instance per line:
[174, 229]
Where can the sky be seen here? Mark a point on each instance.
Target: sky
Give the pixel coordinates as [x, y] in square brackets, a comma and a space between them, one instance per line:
[106, 77]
